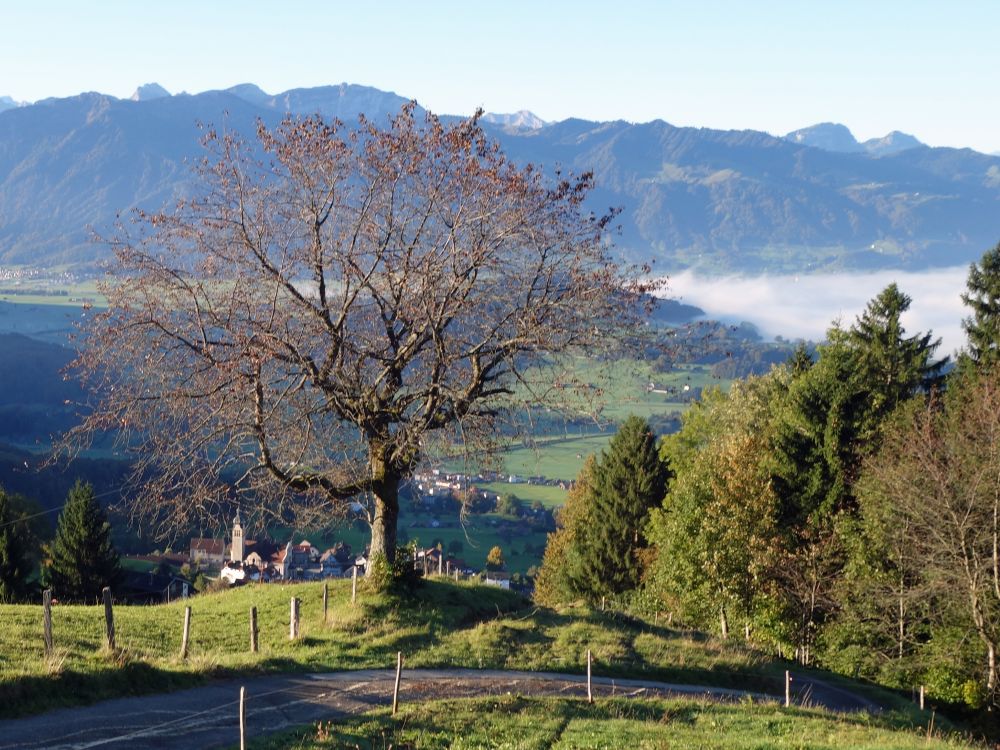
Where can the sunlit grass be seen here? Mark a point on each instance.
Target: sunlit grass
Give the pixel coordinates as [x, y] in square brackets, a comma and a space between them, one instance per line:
[441, 624]
[519, 722]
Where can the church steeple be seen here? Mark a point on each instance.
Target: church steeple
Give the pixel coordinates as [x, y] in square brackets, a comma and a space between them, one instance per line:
[238, 550]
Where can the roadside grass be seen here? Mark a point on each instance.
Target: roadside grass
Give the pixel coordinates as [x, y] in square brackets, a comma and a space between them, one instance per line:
[679, 724]
[440, 624]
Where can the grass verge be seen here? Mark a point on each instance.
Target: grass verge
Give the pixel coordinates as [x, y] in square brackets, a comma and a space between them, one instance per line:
[518, 722]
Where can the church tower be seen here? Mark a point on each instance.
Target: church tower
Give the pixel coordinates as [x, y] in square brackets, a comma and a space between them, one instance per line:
[237, 549]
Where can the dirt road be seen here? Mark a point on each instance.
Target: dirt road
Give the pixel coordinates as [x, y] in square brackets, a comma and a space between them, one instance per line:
[207, 716]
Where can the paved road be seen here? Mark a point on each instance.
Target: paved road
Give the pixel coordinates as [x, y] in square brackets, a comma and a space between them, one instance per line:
[207, 717]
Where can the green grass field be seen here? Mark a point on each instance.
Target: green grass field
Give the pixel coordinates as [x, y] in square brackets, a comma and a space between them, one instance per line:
[49, 291]
[512, 721]
[440, 624]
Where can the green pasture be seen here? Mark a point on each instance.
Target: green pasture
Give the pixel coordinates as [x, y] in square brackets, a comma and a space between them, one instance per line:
[551, 496]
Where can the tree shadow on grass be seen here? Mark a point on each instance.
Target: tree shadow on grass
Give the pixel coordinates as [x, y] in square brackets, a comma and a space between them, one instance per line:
[38, 693]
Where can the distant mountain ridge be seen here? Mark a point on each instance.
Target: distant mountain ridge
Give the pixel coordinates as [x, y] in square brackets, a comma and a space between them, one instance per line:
[832, 136]
[722, 201]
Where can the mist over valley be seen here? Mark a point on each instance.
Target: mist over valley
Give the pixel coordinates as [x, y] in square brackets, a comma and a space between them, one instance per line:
[804, 306]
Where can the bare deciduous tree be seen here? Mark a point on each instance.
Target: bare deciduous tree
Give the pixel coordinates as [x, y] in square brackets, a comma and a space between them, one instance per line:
[336, 305]
[940, 470]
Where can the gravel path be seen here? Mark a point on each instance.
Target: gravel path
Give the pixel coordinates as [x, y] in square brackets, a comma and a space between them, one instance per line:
[207, 716]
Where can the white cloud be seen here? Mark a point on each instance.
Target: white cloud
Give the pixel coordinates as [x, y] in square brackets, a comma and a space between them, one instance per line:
[806, 306]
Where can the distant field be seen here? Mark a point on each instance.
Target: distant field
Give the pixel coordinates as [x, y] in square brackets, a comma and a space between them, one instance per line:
[549, 496]
[50, 291]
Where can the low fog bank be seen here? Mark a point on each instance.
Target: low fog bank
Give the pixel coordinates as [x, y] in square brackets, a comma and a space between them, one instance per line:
[804, 307]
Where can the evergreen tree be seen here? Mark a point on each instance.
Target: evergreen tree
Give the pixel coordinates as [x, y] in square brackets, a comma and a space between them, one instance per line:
[891, 366]
[16, 542]
[833, 422]
[800, 362]
[629, 480]
[983, 297]
[83, 560]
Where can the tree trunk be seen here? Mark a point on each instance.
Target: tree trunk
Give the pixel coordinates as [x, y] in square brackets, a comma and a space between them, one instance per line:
[901, 622]
[385, 488]
[991, 669]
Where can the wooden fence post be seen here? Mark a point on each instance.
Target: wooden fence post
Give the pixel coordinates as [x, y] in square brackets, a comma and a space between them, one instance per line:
[590, 693]
[788, 689]
[448, 568]
[253, 630]
[395, 689]
[243, 718]
[293, 620]
[326, 599]
[440, 562]
[456, 573]
[354, 584]
[921, 697]
[187, 633]
[425, 563]
[47, 620]
[109, 618]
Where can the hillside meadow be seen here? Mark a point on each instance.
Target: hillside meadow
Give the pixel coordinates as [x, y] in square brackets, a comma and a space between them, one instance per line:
[439, 623]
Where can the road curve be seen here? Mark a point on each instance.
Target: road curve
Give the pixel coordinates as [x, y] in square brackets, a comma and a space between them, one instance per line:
[207, 716]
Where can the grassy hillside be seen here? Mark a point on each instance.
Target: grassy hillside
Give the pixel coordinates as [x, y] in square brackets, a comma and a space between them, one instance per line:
[439, 624]
[518, 722]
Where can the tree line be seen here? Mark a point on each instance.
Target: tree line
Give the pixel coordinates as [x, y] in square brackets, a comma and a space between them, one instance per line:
[76, 564]
[842, 509]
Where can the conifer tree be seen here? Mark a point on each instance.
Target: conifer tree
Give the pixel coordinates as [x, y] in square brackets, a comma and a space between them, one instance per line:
[15, 557]
[83, 559]
[983, 297]
[629, 480]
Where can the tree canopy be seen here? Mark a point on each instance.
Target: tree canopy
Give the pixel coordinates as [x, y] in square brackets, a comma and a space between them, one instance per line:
[334, 305]
[982, 296]
[17, 547]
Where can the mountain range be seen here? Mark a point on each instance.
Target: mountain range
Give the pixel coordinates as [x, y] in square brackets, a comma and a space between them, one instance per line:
[715, 200]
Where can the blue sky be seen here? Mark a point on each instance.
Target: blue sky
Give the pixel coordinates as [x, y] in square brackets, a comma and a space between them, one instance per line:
[928, 68]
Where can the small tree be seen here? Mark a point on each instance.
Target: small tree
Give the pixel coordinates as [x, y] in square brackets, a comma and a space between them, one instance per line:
[83, 560]
[335, 305]
[494, 558]
[16, 541]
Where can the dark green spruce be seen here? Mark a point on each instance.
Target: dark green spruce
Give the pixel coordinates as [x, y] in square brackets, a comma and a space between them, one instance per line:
[629, 480]
[983, 298]
[83, 560]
